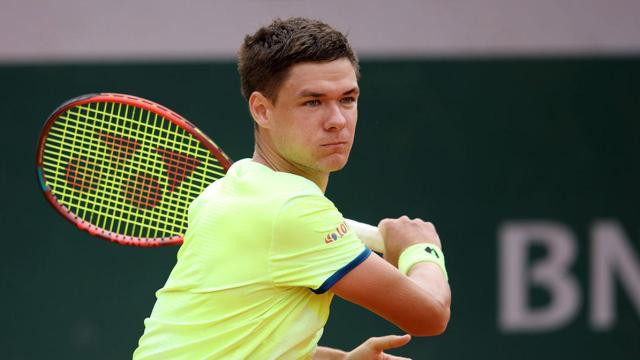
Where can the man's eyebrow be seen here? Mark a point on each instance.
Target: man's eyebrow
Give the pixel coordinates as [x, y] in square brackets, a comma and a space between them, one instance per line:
[311, 93]
[353, 91]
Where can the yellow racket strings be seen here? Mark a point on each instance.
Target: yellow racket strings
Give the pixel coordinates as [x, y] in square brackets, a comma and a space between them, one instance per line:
[125, 169]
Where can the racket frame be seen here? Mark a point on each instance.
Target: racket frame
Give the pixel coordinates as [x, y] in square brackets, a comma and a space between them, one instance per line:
[130, 100]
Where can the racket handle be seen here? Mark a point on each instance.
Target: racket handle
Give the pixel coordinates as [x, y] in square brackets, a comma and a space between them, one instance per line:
[369, 235]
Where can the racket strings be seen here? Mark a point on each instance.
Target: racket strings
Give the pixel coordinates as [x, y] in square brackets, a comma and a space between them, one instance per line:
[104, 205]
[178, 165]
[139, 203]
[76, 176]
[106, 162]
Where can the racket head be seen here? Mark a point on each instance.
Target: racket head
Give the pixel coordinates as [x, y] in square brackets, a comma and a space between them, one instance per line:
[125, 169]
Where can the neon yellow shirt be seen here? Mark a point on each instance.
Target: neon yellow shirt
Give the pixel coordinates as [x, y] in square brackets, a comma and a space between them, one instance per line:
[261, 250]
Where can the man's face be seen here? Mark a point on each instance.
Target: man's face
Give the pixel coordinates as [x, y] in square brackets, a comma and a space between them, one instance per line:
[315, 115]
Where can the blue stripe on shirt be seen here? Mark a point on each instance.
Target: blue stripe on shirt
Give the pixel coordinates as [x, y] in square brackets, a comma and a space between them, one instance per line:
[342, 272]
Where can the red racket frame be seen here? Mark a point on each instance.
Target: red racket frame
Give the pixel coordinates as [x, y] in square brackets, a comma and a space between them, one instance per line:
[126, 100]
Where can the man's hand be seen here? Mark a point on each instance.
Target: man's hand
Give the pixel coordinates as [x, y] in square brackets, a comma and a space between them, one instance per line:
[399, 234]
[419, 302]
[373, 348]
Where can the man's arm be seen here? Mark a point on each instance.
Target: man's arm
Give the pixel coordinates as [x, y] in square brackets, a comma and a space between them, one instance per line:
[418, 303]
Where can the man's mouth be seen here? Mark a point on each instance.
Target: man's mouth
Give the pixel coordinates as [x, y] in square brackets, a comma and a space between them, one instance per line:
[335, 144]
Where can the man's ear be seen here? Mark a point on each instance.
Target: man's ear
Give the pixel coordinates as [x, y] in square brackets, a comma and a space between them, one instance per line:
[260, 108]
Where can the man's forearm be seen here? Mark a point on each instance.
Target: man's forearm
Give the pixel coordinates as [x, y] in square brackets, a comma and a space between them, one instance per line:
[325, 353]
[431, 278]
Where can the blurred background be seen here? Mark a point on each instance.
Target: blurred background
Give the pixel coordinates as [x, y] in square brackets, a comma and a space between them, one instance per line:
[514, 126]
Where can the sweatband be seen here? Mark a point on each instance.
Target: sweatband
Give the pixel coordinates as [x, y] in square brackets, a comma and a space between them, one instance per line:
[418, 253]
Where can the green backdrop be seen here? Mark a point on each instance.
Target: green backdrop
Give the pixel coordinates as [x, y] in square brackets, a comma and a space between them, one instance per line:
[468, 144]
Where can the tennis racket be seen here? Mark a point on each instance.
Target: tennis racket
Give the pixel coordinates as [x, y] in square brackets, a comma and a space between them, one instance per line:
[125, 169]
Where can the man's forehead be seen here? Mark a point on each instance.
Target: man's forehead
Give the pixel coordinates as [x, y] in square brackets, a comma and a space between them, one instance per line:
[322, 77]
[340, 67]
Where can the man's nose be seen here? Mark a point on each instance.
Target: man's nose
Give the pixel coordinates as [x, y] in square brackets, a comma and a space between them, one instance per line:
[335, 118]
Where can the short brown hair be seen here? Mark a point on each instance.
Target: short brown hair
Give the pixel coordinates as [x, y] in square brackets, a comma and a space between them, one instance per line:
[266, 56]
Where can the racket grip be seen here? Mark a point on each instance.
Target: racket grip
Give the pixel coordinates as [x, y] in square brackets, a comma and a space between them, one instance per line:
[369, 235]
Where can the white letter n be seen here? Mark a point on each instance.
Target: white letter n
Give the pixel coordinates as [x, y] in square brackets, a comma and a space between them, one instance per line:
[611, 253]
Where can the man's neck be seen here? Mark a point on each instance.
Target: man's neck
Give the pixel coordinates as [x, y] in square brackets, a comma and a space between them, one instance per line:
[277, 163]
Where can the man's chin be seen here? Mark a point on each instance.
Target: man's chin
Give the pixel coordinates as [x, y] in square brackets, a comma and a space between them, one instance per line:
[336, 162]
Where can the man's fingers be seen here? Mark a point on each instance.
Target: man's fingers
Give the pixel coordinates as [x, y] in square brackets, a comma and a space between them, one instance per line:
[389, 342]
[391, 357]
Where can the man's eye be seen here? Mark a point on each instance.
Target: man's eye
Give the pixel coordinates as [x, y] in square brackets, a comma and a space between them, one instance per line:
[348, 100]
[312, 103]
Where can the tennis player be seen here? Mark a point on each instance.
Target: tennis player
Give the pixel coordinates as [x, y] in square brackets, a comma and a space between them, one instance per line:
[265, 250]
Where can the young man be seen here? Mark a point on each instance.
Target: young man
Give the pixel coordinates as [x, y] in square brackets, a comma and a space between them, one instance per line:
[266, 251]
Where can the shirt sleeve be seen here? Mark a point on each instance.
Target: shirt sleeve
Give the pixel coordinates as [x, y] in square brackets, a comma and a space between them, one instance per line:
[312, 246]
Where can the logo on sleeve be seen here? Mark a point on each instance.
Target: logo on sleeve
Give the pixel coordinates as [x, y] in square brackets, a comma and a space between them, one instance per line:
[337, 234]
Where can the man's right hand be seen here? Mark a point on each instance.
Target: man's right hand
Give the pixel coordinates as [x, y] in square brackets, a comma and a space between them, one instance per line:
[418, 302]
[400, 233]
[373, 348]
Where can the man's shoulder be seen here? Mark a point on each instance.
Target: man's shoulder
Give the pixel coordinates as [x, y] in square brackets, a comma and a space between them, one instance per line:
[253, 176]
[252, 188]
